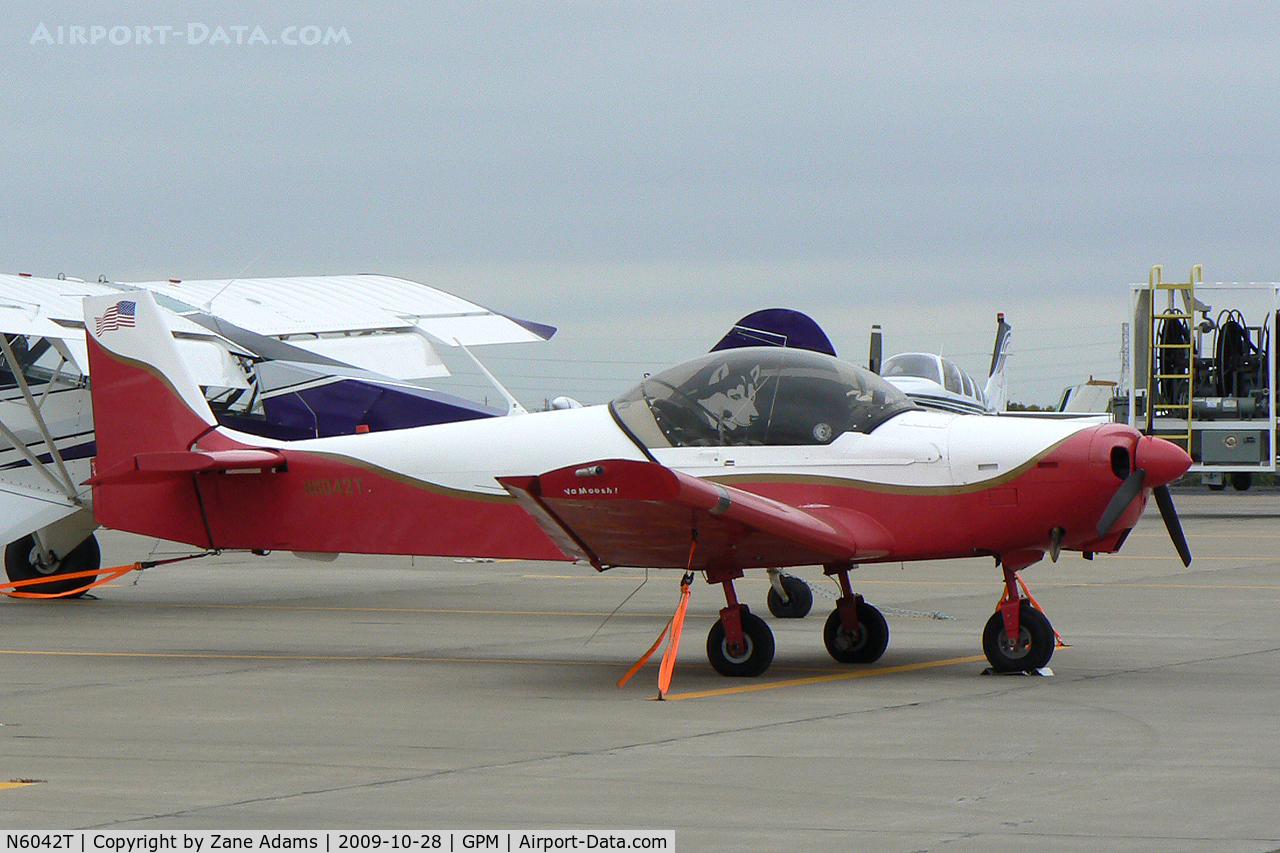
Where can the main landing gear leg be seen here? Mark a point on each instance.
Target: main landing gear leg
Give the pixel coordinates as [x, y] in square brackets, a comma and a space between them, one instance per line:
[740, 643]
[855, 631]
[1011, 604]
[1018, 637]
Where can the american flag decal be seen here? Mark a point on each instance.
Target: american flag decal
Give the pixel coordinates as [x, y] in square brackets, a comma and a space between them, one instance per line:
[118, 316]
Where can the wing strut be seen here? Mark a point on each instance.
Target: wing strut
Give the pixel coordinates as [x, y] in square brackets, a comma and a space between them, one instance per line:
[63, 482]
[513, 405]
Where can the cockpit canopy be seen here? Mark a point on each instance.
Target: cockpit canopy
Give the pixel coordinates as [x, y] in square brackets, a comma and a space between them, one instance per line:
[757, 396]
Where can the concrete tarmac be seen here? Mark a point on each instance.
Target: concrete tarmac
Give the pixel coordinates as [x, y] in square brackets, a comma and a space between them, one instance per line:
[241, 692]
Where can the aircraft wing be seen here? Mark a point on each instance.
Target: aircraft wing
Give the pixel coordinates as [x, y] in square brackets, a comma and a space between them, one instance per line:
[24, 509]
[628, 513]
[378, 322]
[319, 304]
[51, 309]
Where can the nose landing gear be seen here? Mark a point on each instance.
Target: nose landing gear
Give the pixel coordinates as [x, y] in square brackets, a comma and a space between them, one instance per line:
[1017, 637]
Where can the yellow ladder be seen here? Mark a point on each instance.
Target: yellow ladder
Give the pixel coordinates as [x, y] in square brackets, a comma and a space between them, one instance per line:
[1180, 411]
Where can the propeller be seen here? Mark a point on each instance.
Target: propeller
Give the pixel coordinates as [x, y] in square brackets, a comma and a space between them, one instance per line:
[1168, 461]
[1164, 500]
[1120, 501]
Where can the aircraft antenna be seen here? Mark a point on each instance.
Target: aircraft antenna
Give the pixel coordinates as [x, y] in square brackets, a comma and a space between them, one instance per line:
[208, 305]
[615, 610]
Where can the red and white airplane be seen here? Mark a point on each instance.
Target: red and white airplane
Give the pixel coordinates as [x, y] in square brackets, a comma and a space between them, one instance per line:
[750, 458]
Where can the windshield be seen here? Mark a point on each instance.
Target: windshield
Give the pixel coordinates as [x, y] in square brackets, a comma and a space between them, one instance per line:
[762, 396]
[912, 364]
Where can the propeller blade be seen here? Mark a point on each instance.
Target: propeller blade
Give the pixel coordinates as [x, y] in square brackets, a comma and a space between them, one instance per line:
[1120, 501]
[1164, 500]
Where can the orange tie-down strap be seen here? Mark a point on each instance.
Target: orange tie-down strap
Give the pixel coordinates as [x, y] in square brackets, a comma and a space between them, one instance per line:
[97, 577]
[1058, 642]
[674, 624]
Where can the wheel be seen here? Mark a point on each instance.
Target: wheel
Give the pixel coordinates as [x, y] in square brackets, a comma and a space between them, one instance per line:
[1033, 648]
[20, 564]
[754, 659]
[1241, 481]
[865, 645]
[1217, 487]
[800, 599]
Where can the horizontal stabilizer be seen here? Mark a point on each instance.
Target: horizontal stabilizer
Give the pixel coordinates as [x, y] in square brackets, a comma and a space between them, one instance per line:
[628, 513]
[160, 464]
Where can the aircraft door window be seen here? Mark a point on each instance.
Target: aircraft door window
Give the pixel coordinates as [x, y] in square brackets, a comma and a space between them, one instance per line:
[951, 377]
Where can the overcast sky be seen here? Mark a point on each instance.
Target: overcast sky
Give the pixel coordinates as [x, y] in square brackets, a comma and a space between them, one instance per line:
[641, 175]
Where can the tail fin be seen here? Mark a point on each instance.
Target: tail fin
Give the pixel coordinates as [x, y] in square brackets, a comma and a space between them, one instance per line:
[997, 390]
[144, 396]
[777, 327]
[149, 414]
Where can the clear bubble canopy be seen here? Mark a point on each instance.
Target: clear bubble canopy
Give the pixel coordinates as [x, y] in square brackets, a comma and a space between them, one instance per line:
[757, 396]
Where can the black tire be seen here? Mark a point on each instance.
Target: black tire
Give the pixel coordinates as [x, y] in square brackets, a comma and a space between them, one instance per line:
[20, 565]
[1217, 487]
[1241, 481]
[754, 660]
[800, 599]
[1031, 652]
[866, 645]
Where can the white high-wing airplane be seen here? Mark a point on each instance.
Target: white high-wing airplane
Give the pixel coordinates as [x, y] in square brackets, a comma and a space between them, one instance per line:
[280, 357]
[746, 458]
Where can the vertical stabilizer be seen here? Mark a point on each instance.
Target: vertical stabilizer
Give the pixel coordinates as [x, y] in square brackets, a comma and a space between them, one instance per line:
[148, 415]
[997, 390]
[777, 327]
[144, 396]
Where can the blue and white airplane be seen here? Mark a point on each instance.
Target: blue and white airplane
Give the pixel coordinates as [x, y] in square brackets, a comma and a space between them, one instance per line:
[937, 382]
[933, 381]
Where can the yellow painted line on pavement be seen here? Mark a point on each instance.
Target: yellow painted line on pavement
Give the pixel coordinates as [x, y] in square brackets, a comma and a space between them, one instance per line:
[723, 691]
[1075, 584]
[325, 608]
[1200, 535]
[1170, 585]
[817, 679]
[287, 657]
[1103, 559]
[4, 785]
